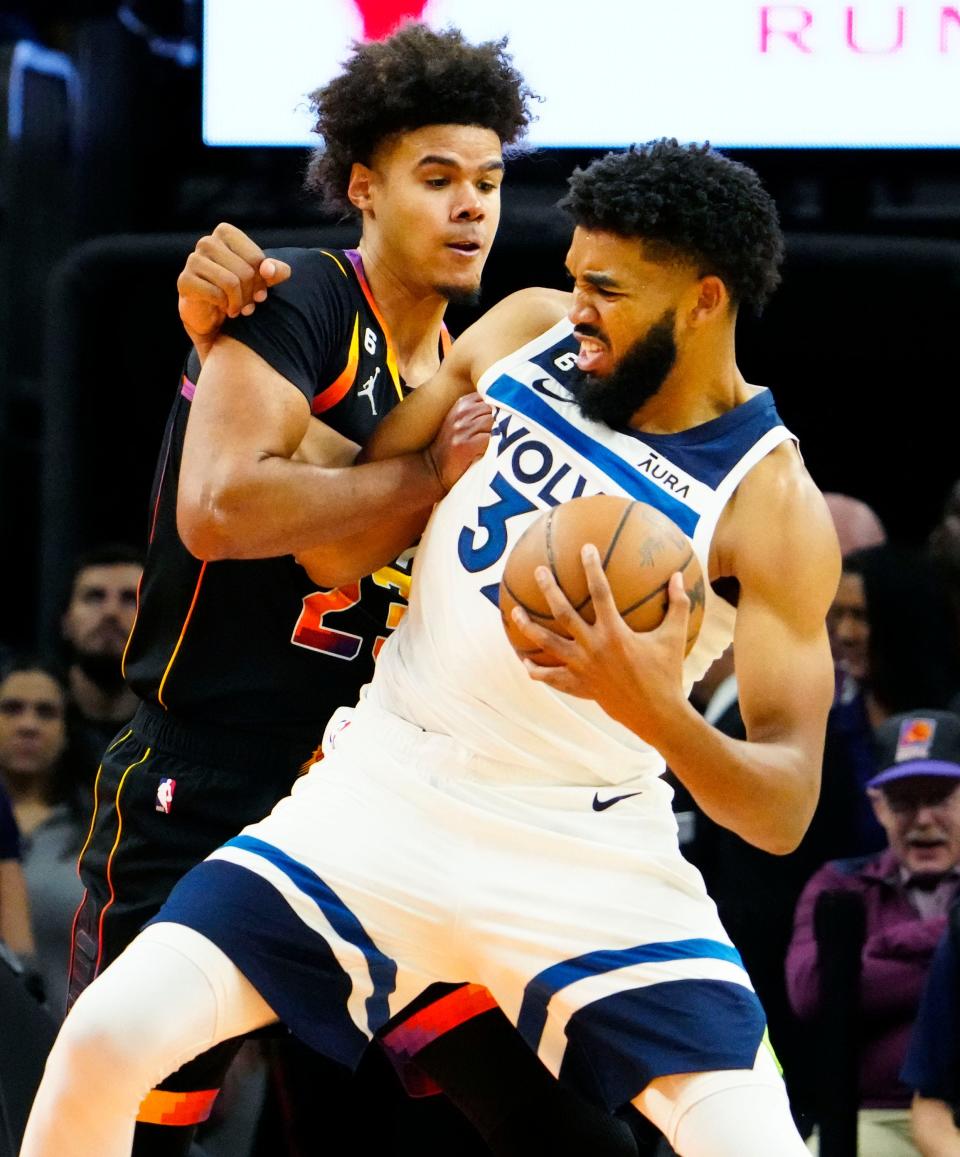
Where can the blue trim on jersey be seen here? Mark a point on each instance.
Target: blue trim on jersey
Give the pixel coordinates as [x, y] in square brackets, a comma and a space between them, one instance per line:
[292, 967]
[706, 452]
[541, 989]
[383, 969]
[525, 401]
[617, 1045]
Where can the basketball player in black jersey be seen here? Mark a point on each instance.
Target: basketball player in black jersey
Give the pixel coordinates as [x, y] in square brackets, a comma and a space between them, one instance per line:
[240, 651]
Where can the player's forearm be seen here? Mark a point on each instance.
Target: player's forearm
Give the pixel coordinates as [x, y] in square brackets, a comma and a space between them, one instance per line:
[934, 1131]
[348, 560]
[764, 791]
[275, 506]
[413, 425]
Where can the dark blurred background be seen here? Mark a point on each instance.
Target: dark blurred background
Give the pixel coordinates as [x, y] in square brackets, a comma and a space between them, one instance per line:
[105, 184]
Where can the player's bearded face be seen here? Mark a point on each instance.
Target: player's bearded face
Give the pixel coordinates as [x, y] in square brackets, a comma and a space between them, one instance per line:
[636, 378]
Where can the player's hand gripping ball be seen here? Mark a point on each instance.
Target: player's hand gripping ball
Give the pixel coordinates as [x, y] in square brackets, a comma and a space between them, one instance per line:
[640, 549]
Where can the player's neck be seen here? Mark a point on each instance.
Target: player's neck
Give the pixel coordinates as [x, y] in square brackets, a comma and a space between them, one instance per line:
[704, 383]
[413, 314]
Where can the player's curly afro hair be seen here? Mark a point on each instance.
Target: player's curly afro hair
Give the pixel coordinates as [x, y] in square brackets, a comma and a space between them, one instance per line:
[687, 203]
[415, 77]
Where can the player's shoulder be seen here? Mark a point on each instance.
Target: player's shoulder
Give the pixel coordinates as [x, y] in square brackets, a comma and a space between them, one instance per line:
[322, 286]
[535, 309]
[510, 324]
[324, 261]
[780, 480]
[778, 524]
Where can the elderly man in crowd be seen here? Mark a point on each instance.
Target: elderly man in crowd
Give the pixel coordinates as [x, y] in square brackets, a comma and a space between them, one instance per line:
[907, 891]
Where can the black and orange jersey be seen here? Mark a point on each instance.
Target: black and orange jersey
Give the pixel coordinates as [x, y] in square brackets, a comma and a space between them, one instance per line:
[254, 645]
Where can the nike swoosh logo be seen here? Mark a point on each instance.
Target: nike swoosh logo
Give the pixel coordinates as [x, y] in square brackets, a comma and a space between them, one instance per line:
[601, 805]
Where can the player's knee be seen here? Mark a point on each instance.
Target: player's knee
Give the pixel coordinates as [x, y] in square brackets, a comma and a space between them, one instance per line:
[727, 1113]
[94, 1039]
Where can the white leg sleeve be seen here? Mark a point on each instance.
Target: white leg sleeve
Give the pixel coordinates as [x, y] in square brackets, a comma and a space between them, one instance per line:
[170, 996]
[736, 1113]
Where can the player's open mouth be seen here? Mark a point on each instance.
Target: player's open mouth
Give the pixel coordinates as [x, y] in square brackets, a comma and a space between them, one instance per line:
[591, 353]
[468, 248]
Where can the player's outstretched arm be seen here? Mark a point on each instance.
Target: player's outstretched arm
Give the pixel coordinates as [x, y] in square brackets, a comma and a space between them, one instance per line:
[226, 275]
[508, 325]
[446, 421]
[462, 438]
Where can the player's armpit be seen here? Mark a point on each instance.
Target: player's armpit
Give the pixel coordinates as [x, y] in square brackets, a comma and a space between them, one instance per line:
[323, 446]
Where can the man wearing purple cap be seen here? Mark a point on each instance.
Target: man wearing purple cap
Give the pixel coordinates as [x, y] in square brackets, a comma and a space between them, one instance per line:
[907, 891]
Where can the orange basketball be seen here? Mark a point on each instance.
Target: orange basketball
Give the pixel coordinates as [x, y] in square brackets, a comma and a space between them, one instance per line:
[640, 549]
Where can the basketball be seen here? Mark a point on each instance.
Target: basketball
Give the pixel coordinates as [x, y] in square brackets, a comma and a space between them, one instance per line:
[640, 549]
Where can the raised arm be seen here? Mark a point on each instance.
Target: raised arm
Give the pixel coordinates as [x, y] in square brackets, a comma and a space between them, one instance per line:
[504, 328]
[260, 476]
[446, 421]
[243, 492]
[462, 437]
[446, 424]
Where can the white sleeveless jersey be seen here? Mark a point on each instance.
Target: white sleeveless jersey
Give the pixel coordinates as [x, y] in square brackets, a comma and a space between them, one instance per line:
[449, 668]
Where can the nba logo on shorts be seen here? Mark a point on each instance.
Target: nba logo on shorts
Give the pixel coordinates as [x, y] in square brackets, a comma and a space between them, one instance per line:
[165, 795]
[337, 728]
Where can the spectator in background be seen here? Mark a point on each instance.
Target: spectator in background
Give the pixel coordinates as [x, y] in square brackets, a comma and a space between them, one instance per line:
[932, 1067]
[902, 651]
[14, 911]
[32, 738]
[48, 811]
[894, 652]
[944, 550]
[857, 524]
[95, 626]
[907, 891]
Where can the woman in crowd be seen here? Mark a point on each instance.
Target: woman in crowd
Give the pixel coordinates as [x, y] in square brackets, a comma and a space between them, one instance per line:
[47, 806]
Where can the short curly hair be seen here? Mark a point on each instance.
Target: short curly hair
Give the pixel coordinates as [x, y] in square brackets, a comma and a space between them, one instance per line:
[689, 203]
[415, 77]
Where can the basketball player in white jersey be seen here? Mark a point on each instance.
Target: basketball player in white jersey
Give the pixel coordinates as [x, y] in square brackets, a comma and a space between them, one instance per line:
[481, 819]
